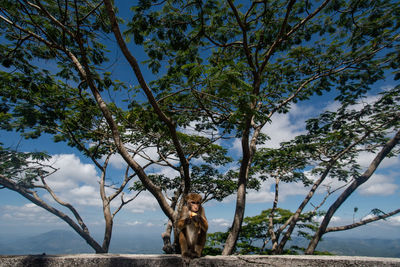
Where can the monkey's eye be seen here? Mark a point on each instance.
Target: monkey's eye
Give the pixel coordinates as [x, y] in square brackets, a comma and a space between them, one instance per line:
[197, 203]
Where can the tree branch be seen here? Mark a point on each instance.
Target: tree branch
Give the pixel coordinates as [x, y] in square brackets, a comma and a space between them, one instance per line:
[281, 37]
[34, 198]
[67, 205]
[349, 190]
[136, 69]
[362, 222]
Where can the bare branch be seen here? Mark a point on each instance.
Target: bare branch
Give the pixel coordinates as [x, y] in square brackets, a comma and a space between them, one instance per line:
[171, 125]
[91, 12]
[350, 189]
[67, 205]
[41, 8]
[123, 202]
[362, 222]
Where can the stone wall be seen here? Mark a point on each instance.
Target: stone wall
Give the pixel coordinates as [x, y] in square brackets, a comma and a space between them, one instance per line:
[108, 260]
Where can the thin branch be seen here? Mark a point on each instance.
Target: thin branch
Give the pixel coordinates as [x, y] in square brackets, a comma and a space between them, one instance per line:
[123, 202]
[40, 7]
[123, 185]
[136, 69]
[281, 37]
[362, 222]
[90, 12]
[67, 205]
[242, 25]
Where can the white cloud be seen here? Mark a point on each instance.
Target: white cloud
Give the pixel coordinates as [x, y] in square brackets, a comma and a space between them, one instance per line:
[74, 182]
[77, 183]
[379, 184]
[292, 189]
[334, 106]
[191, 130]
[394, 220]
[134, 223]
[334, 219]
[365, 159]
[266, 194]
[117, 161]
[28, 214]
[220, 222]
[84, 195]
[263, 195]
[236, 146]
[144, 202]
[285, 127]
[71, 172]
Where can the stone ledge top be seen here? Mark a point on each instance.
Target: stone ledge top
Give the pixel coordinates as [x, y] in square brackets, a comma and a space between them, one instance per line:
[107, 260]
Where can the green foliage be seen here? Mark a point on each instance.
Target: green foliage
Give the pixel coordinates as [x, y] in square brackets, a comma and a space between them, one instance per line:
[214, 243]
[222, 70]
[254, 233]
[334, 140]
[22, 168]
[334, 50]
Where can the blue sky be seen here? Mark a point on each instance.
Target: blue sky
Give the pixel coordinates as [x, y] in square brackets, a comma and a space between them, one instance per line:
[77, 182]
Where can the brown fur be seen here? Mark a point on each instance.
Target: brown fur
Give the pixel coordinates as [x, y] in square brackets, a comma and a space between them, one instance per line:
[192, 228]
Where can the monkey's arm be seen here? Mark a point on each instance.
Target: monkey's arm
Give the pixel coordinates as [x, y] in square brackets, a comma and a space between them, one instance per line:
[184, 218]
[203, 219]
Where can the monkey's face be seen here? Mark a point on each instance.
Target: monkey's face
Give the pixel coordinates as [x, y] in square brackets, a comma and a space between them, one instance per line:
[194, 202]
[194, 205]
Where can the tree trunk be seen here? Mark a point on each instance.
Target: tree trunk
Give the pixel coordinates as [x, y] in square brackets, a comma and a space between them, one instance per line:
[248, 149]
[166, 236]
[108, 228]
[349, 190]
[295, 217]
[274, 238]
[230, 242]
[238, 219]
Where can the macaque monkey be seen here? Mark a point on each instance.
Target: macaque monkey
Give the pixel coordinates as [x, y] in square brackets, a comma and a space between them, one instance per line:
[192, 226]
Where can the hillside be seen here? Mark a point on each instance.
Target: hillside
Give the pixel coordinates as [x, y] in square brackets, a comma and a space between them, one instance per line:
[68, 242]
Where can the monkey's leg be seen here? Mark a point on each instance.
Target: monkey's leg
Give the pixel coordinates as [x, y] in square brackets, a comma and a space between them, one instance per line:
[184, 246]
[201, 242]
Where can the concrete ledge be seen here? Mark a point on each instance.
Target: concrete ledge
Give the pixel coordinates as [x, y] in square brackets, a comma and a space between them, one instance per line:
[122, 260]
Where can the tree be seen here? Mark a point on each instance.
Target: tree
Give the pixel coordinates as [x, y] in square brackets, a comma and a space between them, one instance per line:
[224, 67]
[27, 173]
[264, 56]
[256, 233]
[330, 148]
[65, 100]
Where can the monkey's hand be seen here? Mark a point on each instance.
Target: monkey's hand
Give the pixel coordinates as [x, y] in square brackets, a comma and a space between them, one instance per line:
[196, 218]
[188, 220]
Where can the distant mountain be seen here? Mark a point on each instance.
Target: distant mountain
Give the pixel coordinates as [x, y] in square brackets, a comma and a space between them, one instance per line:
[361, 247]
[371, 247]
[68, 242]
[53, 242]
